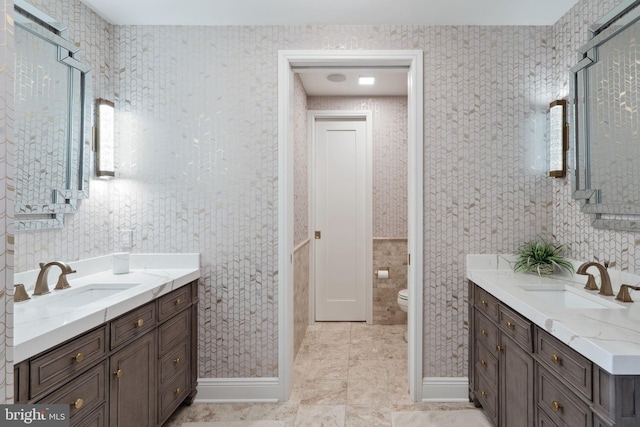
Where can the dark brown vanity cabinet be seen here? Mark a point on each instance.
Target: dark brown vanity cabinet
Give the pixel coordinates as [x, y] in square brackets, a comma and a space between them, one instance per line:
[523, 376]
[502, 362]
[132, 371]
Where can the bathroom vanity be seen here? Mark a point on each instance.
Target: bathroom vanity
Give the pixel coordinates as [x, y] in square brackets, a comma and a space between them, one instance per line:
[545, 352]
[126, 359]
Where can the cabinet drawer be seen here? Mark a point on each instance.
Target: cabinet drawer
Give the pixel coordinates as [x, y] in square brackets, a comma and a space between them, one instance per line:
[174, 302]
[487, 364]
[516, 327]
[172, 395]
[486, 303]
[97, 418]
[565, 362]
[174, 361]
[543, 419]
[84, 394]
[559, 403]
[173, 331]
[62, 363]
[487, 394]
[133, 324]
[486, 332]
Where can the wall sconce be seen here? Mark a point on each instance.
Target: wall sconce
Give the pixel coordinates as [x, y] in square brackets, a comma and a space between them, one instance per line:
[558, 138]
[105, 139]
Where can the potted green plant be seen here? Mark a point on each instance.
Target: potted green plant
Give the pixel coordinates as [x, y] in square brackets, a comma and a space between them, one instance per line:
[541, 257]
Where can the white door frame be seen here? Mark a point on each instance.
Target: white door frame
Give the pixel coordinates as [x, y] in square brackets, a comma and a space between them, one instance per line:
[312, 115]
[287, 61]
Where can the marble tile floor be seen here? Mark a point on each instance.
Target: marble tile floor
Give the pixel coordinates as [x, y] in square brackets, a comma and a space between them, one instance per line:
[345, 375]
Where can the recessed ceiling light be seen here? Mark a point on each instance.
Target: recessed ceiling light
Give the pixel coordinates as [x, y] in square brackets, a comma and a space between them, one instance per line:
[336, 78]
[367, 80]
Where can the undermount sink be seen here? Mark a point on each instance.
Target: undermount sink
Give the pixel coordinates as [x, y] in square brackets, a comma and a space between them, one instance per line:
[83, 295]
[562, 296]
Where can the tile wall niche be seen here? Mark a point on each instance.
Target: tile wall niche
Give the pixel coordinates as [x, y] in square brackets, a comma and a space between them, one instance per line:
[197, 164]
[7, 198]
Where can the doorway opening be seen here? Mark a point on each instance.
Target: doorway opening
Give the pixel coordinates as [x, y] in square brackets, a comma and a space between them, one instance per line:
[289, 62]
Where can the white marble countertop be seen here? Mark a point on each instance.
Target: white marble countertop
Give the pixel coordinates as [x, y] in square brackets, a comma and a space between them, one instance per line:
[608, 336]
[39, 326]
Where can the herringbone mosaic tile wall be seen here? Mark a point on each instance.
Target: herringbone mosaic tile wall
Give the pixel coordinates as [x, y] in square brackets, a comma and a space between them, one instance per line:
[197, 163]
[7, 199]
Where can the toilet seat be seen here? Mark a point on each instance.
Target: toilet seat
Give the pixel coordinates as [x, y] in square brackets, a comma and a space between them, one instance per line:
[403, 296]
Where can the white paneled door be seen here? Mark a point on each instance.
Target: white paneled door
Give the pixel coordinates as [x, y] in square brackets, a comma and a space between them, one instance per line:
[340, 219]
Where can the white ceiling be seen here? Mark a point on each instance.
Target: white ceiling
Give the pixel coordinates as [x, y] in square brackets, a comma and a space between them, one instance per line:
[348, 12]
[294, 12]
[388, 82]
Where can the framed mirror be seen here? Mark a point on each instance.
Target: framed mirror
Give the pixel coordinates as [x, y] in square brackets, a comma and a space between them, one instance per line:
[606, 95]
[52, 121]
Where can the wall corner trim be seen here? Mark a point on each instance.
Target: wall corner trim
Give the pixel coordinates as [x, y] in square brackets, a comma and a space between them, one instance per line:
[445, 389]
[217, 390]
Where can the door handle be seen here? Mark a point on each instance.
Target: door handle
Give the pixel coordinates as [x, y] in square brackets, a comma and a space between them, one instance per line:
[318, 235]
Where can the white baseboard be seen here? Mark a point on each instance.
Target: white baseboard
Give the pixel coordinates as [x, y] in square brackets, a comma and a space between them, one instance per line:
[445, 389]
[238, 390]
[434, 389]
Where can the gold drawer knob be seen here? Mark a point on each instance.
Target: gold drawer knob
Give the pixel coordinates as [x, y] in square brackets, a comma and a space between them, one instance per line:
[78, 403]
[139, 323]
[118, 373]
[483, 363]
[555, 358]
[499, 348]
[177, 361]
[556, 406]
[483, 332]
[483, 302]
[179, 301]
[178, 390]
[510, 325]
[79, 357]
[483, 393]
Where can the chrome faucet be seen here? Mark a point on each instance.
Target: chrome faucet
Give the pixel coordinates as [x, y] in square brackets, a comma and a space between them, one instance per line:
[605, 280]
[42, 282]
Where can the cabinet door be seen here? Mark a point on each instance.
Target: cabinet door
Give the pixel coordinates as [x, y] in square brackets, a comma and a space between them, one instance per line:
[133, 384]
[516, 385]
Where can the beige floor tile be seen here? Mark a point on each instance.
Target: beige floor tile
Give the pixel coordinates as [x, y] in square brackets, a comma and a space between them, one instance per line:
[367, 368]
[372, 392]
[396, 368]
[367, 416]
[367, 350]
[272, 411]
[345, 374]
[395, 351]
[325, 350]
[335, 326]
[328, 369]
[320, 416]
[319, 392]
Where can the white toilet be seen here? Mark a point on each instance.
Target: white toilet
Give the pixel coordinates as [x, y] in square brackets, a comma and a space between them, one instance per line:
[403, 296]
